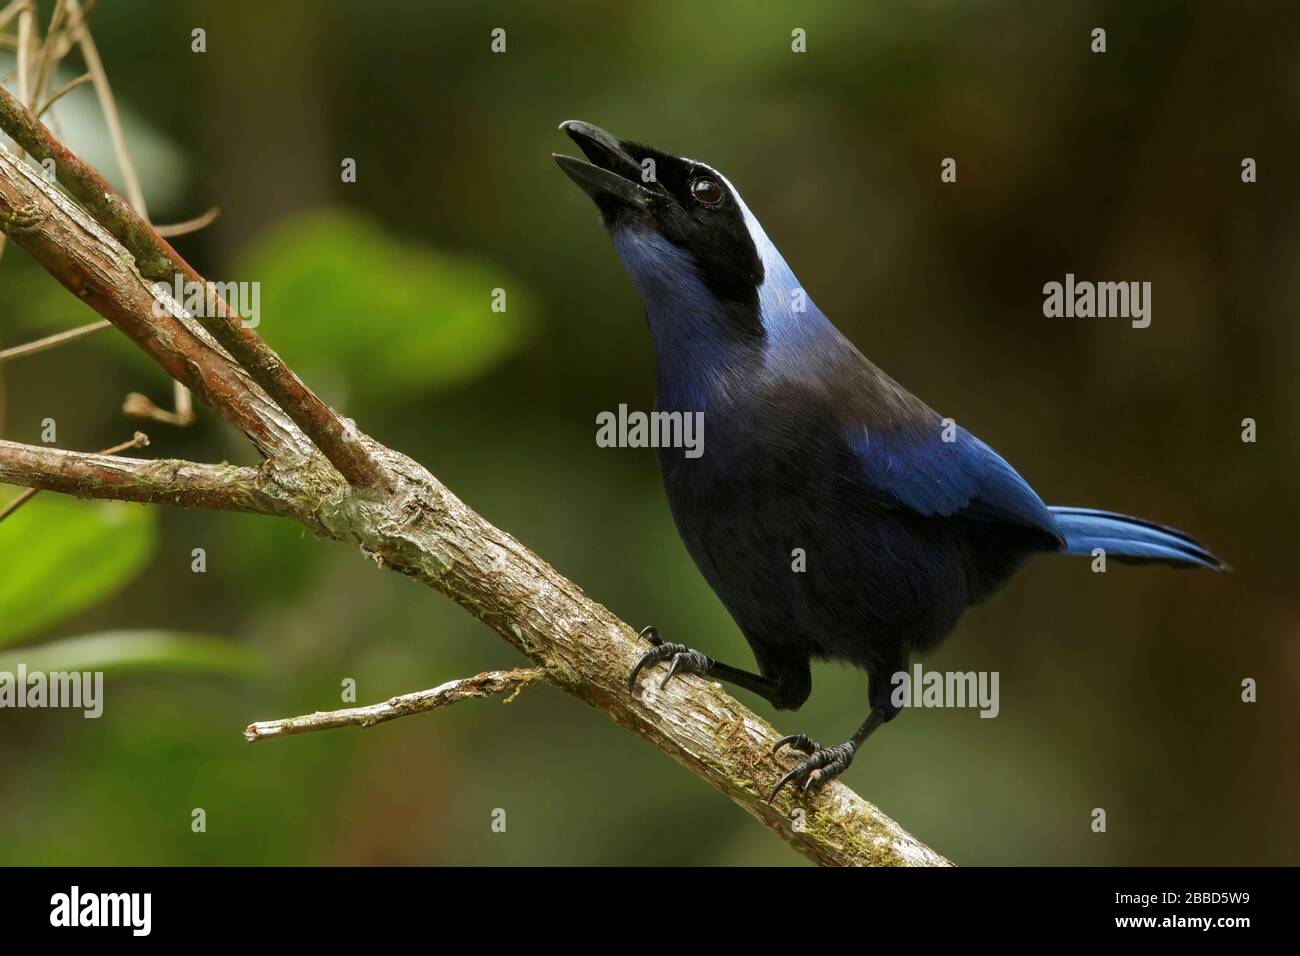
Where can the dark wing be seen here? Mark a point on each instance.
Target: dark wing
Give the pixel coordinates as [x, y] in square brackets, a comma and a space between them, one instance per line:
[907, 456]
[939, 469]
[910, 457]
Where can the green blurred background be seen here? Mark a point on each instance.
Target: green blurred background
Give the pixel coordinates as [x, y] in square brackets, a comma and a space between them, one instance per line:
[1119, 691]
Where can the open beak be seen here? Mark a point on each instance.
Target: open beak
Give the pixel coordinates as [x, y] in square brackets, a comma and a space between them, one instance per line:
[612, 174]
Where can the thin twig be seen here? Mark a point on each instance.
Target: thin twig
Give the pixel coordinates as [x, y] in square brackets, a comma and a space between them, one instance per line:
[95, 66]
[184, 403]
[138, 440]
[487, 684]
[63, 91]
[11, 11]
[140, 406]
[189, 225]
[54, 49]
[26, 42]
[52, 341]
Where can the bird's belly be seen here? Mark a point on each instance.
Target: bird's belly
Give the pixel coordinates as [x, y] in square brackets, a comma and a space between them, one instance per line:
[810, 569]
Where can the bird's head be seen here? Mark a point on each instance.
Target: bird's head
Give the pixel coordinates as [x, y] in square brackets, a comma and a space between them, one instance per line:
[680, 227]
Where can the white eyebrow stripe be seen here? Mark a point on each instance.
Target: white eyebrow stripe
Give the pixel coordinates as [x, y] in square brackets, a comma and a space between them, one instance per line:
[767, 252]
[774, 263]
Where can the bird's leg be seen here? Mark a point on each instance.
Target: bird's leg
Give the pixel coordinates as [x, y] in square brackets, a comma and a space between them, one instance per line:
[685, 660]
[825, 763]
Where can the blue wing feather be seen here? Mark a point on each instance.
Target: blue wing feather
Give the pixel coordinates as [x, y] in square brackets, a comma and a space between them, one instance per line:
[913, 467]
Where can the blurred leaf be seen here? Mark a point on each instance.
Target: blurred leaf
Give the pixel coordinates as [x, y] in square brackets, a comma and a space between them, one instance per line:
[58, 555]
[347, 301]
[128, 651]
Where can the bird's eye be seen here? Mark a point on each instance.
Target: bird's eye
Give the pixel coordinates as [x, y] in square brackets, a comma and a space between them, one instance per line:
[706, 190]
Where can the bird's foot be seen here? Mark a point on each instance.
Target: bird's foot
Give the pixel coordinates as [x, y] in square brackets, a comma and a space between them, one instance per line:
[684, 659]
[822, 765]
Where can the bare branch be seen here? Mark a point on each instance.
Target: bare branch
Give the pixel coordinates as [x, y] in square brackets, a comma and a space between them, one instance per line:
[159, 481]
[487, 684]
[93, 266]
[184, 484]
[52, 341]
[138, 440]
[156, 260]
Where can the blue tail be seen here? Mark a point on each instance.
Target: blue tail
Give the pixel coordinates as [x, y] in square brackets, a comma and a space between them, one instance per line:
[1130, 539]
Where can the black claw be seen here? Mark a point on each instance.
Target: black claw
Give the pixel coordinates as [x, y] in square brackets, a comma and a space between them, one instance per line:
[801, 742]
[684, 659]
[813, 777]
[672, 671]
[782, 782]
[819, 768]
[653, 656]
[692, 662]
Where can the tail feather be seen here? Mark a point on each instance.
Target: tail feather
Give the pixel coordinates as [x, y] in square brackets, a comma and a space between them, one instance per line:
[1131, 539]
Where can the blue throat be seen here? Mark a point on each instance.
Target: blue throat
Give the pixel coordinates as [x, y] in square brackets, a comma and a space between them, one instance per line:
[695, 343]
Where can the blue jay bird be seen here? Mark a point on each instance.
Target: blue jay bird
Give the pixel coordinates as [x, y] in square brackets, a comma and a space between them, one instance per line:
[904, 519]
